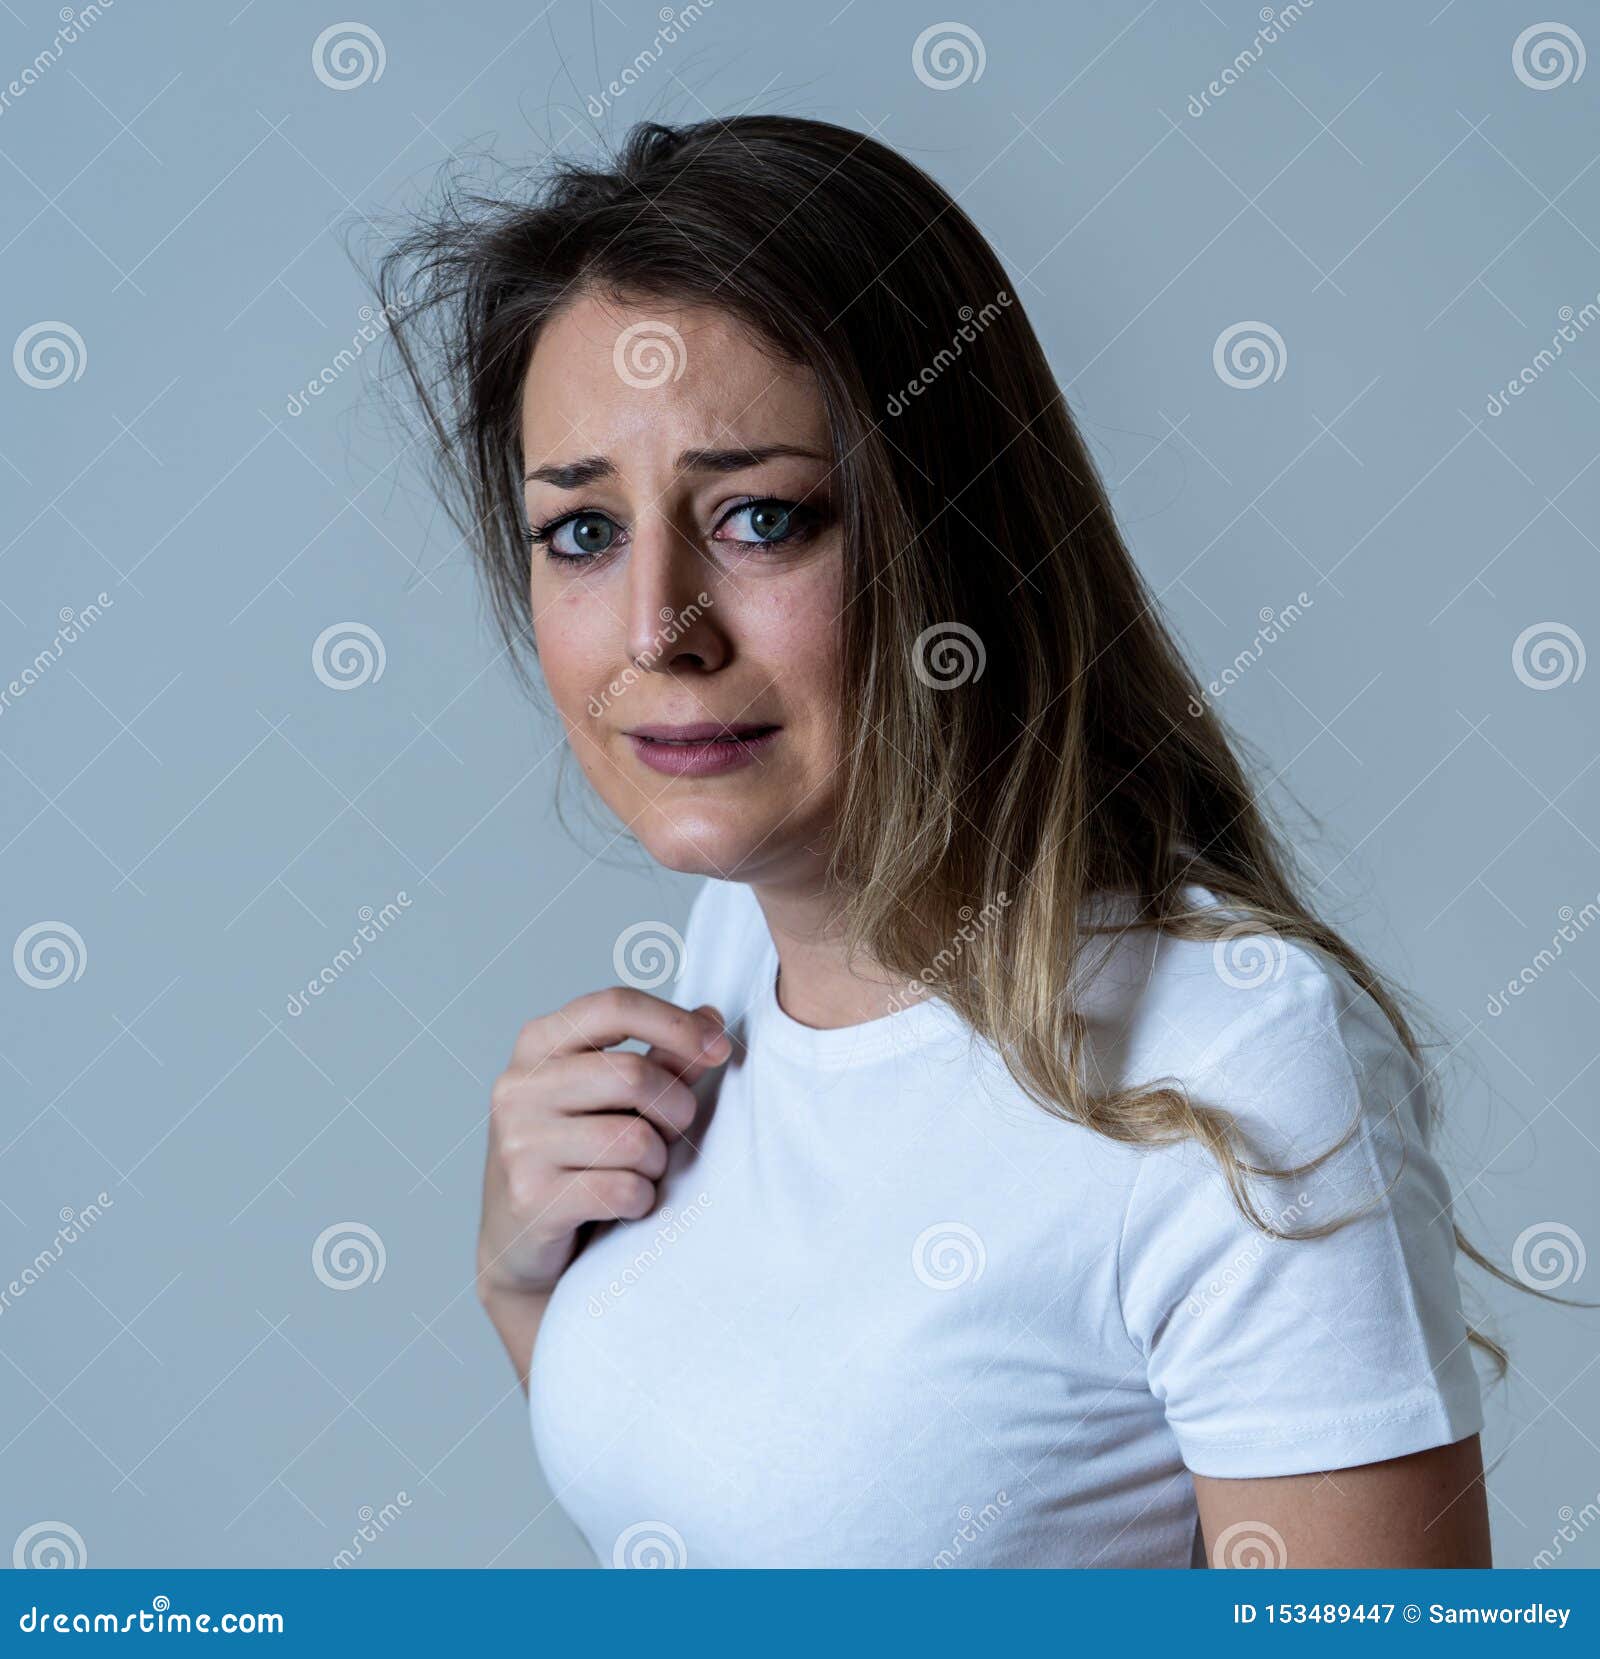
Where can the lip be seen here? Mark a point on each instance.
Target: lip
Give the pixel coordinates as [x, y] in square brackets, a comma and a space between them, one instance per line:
[702, 748]
[702, 729]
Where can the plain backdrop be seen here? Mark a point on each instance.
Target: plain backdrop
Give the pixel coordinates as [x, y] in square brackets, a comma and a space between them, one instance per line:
[180, 195]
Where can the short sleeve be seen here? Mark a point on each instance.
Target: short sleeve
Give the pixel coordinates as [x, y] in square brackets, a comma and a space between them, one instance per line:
[1286, 1356]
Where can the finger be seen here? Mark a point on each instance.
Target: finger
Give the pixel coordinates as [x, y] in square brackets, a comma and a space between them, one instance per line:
[606, 1195]
[583, 1083]
[602, 1018]
[611, 1140]
[693, 1072]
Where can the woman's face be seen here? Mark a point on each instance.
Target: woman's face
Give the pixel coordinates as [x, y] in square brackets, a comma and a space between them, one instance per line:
[686, 572]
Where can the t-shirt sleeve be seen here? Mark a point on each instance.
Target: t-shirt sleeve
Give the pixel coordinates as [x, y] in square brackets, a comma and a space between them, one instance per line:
[1286, 1356]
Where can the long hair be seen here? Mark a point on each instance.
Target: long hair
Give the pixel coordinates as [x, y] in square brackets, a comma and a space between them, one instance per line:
[1080, 755]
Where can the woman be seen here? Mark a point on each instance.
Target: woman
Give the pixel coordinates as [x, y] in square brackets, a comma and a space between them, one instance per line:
[1022, 1175]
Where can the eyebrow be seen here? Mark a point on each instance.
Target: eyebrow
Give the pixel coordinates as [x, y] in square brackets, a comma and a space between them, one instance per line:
[574, 475]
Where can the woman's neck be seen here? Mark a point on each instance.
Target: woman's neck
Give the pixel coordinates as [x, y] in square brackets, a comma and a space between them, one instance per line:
[817, 985]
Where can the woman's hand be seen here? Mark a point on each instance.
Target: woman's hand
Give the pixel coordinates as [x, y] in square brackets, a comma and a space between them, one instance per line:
[578, 1134]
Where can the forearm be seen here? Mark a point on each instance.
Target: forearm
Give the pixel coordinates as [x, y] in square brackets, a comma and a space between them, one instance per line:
[516, 1316]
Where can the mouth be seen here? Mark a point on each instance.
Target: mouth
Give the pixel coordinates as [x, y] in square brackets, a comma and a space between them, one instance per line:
[703, 748]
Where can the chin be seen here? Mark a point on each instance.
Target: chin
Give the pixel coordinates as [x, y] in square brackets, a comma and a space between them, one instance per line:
[697, 844]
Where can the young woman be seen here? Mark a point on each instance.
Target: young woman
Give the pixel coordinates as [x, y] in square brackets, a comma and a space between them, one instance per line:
[1021, 1174]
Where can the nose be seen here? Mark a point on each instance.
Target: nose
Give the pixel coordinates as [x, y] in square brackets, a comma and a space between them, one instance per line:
[668, 615]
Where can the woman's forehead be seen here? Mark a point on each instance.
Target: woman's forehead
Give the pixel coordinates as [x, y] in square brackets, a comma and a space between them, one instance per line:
[605, 377]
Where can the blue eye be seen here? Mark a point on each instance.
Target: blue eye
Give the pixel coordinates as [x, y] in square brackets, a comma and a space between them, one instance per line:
[580, 537]
[576, 537]
[771, 521]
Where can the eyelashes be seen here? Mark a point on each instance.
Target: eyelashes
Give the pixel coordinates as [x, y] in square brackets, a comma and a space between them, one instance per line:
[544, 534]
[799, 522]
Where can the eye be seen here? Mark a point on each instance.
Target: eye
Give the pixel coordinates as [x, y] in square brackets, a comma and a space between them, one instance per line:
[772, 522]
[580, 537]
[576, 537]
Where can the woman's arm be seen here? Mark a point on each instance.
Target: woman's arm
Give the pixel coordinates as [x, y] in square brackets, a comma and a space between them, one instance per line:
[516, 1316]
[1425, 1510]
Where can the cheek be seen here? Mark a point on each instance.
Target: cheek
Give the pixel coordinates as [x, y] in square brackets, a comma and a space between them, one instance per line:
[811, 624]
[794, 638]
[574, 636]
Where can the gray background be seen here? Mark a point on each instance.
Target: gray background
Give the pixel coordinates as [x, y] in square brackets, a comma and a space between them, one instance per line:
[182, 789]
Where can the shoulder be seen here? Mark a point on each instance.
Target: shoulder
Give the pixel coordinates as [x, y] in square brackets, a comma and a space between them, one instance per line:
[1273, 1030]
[1343, 1342]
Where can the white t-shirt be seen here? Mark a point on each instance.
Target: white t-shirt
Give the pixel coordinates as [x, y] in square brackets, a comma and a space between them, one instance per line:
[890, 1313]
